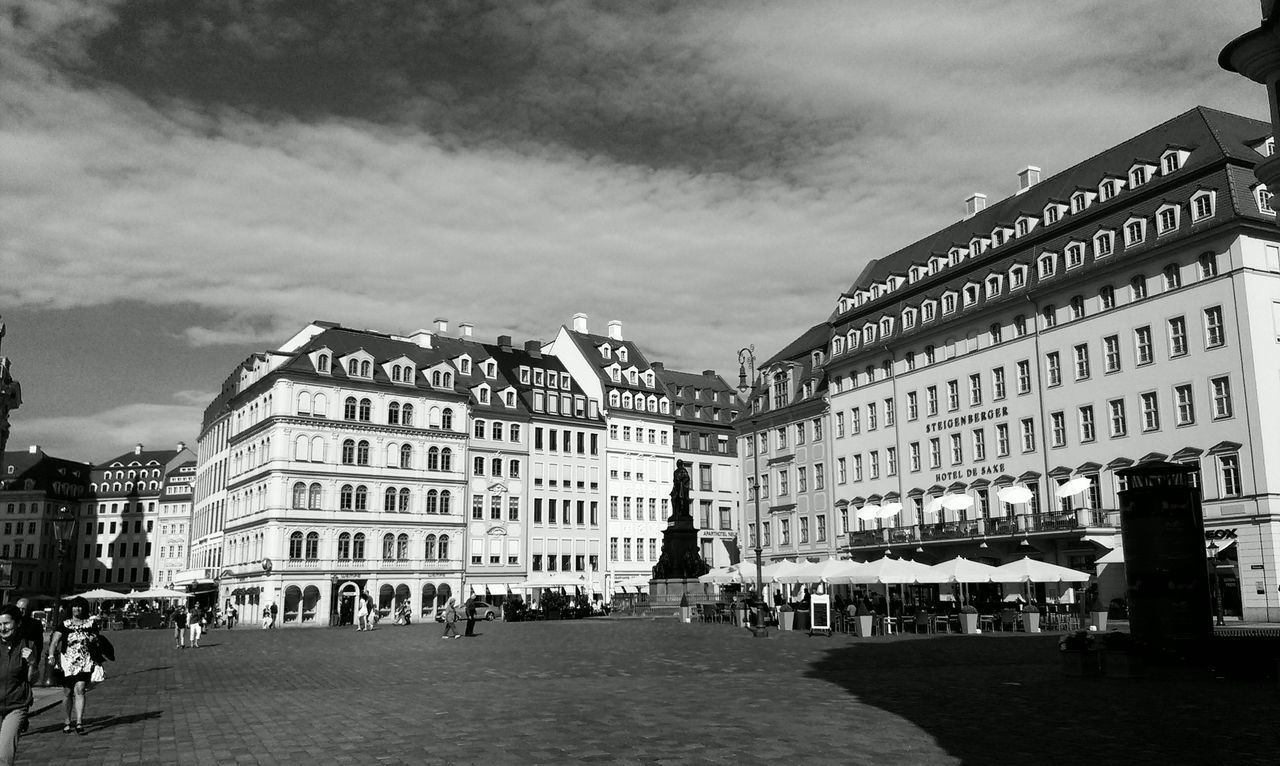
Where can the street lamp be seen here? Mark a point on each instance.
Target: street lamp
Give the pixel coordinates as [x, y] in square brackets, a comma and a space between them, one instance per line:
[747, 356]
[64, 528]
[1215, 583]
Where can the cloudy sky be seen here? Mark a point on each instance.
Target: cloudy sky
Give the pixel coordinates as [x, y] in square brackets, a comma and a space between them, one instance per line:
[183, 183]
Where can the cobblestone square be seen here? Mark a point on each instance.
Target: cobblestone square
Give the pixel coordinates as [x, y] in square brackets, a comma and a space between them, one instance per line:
[641, 691]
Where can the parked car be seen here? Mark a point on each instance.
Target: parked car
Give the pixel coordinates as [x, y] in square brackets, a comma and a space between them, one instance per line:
[484, 611]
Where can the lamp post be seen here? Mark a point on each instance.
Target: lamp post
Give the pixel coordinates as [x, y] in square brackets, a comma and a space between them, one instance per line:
[1215, 584]
[747, 356]
[64, 528]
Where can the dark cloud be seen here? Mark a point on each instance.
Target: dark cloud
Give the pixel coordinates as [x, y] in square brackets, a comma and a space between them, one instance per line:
[628, 82]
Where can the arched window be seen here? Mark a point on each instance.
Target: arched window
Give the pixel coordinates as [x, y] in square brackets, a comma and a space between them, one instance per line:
[313, 545]
[432, 497]
[406, 415]
[433, 459]
[404, 500]
[322, 363]
[444, 547]
[393, 411]
[388, 546]
[320, 406]
[393, 452]
[362, 498]
[317, 449]
[495, 466]
[446, 459]
[366, 370]
[429, 550]
[299, 495]
[304, 403]
[479, 429]
[348, 451]
[313, 496]
[345, 497]
[389, 499]
[302, 448]
[444, 500]
[349, 408]
[406, 456]
[446, 419]
[295, 545]
[362, 453]
[344, 545]
[366, 410]
[353, 367]
[435, 378]
[402, 546]
[357, 546]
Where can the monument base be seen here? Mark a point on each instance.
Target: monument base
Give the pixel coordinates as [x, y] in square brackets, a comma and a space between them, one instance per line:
[666, 594]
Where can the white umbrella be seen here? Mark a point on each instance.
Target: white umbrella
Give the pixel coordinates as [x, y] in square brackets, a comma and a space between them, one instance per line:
[962, 570]
[639, 581]
[821, 571]
[956, 502]
[934, 505]
[158, 593]
[886, 571]
[777, 569]
[97, 593]
[868, 513]
[1073, 487]
[889, 510]
[1027, 569]
[1014, 495]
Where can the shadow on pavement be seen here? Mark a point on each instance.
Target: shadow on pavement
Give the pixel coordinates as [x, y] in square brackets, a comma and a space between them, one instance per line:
[987, 699]
[104, 722]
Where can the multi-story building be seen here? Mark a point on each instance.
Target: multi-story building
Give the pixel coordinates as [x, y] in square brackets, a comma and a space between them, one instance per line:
[1121, 311]
[784, 438]
[705, 407]
[336, 464]
[639, 456]
[33, 486]
[173, 523]
[115, 546]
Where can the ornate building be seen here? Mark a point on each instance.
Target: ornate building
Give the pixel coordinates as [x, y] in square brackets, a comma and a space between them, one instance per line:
[33, 486]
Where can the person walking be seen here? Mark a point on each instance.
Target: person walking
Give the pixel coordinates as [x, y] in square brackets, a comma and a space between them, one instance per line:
[180, 627]
[471, 617]
[19, 659]
[274, 611]
[195, 623]
[71, 651]
[30, 629]
[362, 611]
[451, 619]
[232, 616]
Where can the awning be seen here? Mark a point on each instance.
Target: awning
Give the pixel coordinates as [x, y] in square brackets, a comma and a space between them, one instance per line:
[1113, 556]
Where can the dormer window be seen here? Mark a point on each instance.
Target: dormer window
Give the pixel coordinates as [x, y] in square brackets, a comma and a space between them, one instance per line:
[615, 373]
[816, 358]
[1108, 189]
[490, 369]
[1046, 265]
[1079, 201]
[886, 327]
[1267, 148]
[937, 263]
[948, 303]
[1053, 212]
[993, 285]
[1017, 276]
[1263, 198]
[977, 246]
[875, 291]
[622, 353]
[606, 351]
[1202, 205]
[464, 365]
[1173, 159]
[869, 332]
[509, 398]
[854, 339]
[1140, 173]
[321, 359]
[909, 316]
[1103, 243]
[1025, 224]
[524, 375]
[929, 310]
[837, 346]
[1135, 231]
[360, 365]
[843, 306]
[632, 376]
[894, 282]
[538, 378]
[1075, 255]
[956, 255]
[970, 294]
[1167, 218]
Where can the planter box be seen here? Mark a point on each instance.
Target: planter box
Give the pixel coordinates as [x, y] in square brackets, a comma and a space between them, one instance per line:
[968, 623]
[863, 625]
[1081, 662]
[686, 614]
[1099, 621]
[785, 620]
[1122, 664]
[1031, 622]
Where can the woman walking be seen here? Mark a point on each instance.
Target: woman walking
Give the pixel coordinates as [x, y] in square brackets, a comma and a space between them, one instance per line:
[195, 619]
[362, 611]
[451, 619]
[18, 660]
[71, 650]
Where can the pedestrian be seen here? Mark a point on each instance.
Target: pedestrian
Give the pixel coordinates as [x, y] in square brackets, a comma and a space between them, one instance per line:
[362, 611]
[180, 627]
[274, 611]
[18, 662]
[451, 619]
[30, 629]
[71, 652]
[195, 623]
[232, 617]
[266, 617]
[372, 610]
[471, 617]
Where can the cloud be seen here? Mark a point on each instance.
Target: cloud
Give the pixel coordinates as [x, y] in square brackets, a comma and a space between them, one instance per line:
[99, 436]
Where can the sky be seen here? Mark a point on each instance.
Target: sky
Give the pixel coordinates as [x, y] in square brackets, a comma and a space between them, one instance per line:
[184, 183]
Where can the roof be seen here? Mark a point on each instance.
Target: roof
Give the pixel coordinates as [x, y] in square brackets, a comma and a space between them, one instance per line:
[590, 344]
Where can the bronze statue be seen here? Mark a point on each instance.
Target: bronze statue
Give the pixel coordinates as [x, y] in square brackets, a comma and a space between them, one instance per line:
[680, 502]
[680, 557]
[10, 395]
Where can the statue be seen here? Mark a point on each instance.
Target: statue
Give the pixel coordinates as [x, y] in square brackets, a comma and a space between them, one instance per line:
[680, 502]
[680, 558]
[10, 395]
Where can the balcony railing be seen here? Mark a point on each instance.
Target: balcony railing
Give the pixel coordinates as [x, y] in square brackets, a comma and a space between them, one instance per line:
[1028, 523]
[362, 565]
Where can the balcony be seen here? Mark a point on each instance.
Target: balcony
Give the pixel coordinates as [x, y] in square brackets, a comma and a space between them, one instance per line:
[1073, 521]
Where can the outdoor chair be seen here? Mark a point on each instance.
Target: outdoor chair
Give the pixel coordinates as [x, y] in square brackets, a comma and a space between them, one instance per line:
[922, 621]
[1008, 620]
[986, 622]
[941, 623]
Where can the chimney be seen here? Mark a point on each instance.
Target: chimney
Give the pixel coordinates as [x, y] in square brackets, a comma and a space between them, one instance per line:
[533, 348]
[579, 322]
[442, 325]
[1028, 177]
[34, 449]
[974, 203]
[615, 329]
[504, 344]
[421, 338]
[708, 373]
[182, 446]
[464, 329]
[137, 449]
[658, 366]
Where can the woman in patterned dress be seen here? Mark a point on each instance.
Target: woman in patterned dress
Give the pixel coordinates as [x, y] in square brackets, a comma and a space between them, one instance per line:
[72, 643]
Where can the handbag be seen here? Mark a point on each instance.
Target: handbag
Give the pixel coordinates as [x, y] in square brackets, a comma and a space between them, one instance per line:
[99, 675]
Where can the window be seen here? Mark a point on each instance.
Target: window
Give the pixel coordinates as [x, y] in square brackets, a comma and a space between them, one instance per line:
[1213, 333]
[957, 452]
[1019, 325]
[931, 401]
[995, 333]
[1081, 353]
[1202, 205]
[1046, 265]
[1221, 388]
[855, 420]
[1077, 307]
[1028, 427]
[1002, 439]
[913, 406]
[1017, 277]
[1150, 411]
[1024, 377]
[1107, 297]
[1177, 336]
[1088, 432]
[1119, 425]
[997, 384]
[953, 395]
[1229, 471]
[1111, 353]
[1137, 176]
[1075, 255]
[1135, 231]
[1170, 162]
[1058, 429]
[929, 355]
[1053, 368]
[1103, 244]
[1142, 345]
[1172, 277]
[1186, 409]
[979, 444]
[935, 452]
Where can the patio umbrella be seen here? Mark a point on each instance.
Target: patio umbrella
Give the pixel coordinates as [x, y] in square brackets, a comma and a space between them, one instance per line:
[771, 572]
[963, 571]
[1073, 487]
[639, 581]
[885, 571]
[1028, 570]
[888, 510]
[956, 502]
[821, 571]
[157, 593]
[1014, 495]
[868, 513]
[933, 506]
[97, 593]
